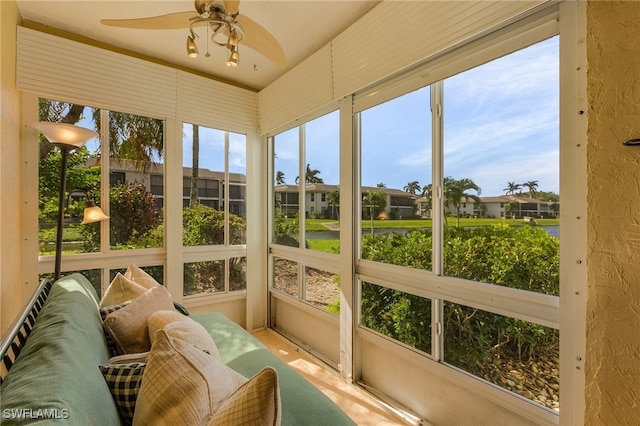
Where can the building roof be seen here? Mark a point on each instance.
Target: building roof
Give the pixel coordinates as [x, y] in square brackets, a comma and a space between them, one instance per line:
[126, 165]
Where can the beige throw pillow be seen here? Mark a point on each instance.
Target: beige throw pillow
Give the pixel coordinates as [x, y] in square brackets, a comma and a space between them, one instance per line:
[120, 290]
[182, 385]
[255, 403]
[140, 277]
[184, 328]
[128, 326]
[161, 319]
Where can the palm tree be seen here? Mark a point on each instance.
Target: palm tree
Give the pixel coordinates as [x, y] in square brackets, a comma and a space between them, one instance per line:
[412, 187]
[427, 192]
[280, 178]
[310, 176]
[134, 137]
[533, 186]
[455, 193]
[511, 188]
[195, 151]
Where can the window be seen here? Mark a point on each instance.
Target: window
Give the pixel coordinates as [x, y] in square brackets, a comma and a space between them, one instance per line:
[157, 185]
[136, 148]
[319, 141]
[83, 172]
[299, 218]
[116, 178]
[395, 173]
[286, 170]
[510, 106]
[395, 167]
[214, 213]
[499, 146]
[133, 199]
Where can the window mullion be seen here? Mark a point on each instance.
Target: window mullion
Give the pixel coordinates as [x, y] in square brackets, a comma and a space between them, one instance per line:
[302, 193]
[226, 190]
[104, 180]
[227, 228]
[437, 199]
[437, 213]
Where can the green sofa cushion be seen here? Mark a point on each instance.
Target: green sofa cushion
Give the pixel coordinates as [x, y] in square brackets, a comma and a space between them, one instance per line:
[56, 378]
[302, 403]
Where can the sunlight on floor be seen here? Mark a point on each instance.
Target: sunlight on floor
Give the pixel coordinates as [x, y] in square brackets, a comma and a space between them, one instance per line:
[358, 405]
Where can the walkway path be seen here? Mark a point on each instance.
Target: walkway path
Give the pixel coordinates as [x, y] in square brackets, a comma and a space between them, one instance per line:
[331, 226]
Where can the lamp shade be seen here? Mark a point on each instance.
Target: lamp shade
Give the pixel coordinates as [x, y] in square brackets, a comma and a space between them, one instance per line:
[93, 214]
[63, 133]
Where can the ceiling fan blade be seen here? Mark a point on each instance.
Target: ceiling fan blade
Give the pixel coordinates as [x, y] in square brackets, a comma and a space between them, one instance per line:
[163, 22]
[262, 41]
[232, 6]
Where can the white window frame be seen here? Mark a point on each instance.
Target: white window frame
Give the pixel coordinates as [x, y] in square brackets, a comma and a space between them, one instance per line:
[538, 308]
[220, 252]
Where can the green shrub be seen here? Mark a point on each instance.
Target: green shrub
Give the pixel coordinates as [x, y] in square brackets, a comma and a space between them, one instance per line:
[525, 258]
[133, 213]
[134, 220]
[203, 225]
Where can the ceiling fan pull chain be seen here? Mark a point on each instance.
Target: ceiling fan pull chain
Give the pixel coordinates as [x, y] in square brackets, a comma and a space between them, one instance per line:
[207, 54]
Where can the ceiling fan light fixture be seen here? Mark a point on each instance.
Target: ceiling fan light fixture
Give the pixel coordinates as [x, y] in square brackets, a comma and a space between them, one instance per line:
[221, 17]
[192, 49]
[234, 58]
[232, 42]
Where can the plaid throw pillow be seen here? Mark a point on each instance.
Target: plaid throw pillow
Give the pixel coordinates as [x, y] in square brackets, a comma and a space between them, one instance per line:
[124, 382]
[104, 311]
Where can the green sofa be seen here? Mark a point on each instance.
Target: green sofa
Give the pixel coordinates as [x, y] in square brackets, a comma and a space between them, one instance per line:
[55, 378]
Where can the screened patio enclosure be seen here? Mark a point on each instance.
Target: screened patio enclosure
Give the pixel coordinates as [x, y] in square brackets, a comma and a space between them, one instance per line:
[422, 319]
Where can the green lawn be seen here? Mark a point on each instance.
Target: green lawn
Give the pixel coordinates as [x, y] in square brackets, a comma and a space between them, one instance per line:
[330, 246]
[316, 224]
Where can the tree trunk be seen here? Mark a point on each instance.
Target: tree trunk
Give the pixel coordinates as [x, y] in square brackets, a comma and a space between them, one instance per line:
[193, 200]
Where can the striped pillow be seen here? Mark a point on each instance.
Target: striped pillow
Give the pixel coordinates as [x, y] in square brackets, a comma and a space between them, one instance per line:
[124, 382]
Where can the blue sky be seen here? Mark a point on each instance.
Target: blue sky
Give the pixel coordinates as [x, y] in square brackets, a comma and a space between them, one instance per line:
[501, 124]
[212, 149]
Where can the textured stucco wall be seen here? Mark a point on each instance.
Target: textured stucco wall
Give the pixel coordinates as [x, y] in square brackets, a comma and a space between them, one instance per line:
[613, 181]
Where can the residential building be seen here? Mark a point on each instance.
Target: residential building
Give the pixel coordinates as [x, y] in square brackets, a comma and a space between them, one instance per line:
[496, 207]
[210, 184]
[398, 203]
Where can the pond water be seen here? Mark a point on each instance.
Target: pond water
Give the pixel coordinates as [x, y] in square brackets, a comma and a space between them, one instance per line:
[554, 231]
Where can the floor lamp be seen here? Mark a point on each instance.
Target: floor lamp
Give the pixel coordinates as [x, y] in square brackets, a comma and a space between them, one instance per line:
[66, 137]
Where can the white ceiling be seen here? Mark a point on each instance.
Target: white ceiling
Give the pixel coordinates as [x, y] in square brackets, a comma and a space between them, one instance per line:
[301, 27]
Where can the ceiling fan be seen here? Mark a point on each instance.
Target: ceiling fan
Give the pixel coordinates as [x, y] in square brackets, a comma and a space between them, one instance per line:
[228, 26]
